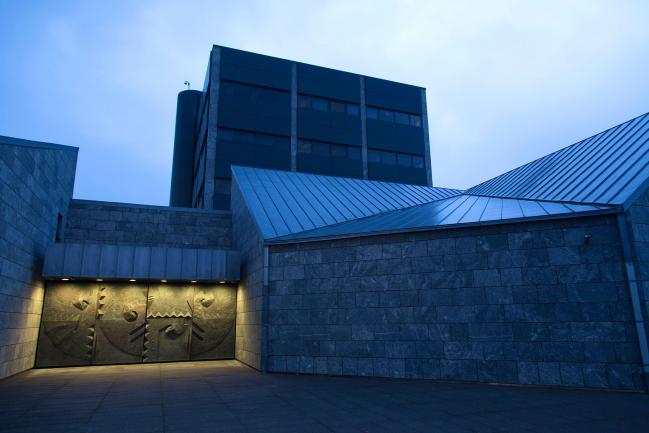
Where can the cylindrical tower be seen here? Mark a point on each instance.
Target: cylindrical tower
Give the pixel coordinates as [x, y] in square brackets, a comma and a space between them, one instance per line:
[185, 137]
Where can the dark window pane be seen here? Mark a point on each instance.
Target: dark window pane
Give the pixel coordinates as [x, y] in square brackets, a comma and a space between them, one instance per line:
[352, 109]
[321, 149]
[338, 151]
[304, 146]
[303, 101]
[418, 162]
[372, 113]
[415, 120]
[320, 104]
[401, 118]
[281, 142]
[338, 107]
[373, 156]
[404, 160]
[386, 115]
[388, 158]
[225, 135]
[354, 153]
[244, 137]
[264, 140]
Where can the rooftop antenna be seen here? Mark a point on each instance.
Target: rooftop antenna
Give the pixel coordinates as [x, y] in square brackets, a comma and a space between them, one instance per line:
[187, 84]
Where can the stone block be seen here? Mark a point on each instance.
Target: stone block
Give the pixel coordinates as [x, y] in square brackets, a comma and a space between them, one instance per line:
[549, 373]
[571, 374]
[499, 295]
[350, 366]
[594, 375]
[334, 366]
[441, 246]
[400, 349]
[415, 249]
[369, 252]
[619, 376]
[497, 371]
[365, 367]
[599, 352]
[564, 256]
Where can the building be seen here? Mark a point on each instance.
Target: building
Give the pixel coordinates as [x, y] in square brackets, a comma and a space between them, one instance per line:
[261, 111]
[536, 277]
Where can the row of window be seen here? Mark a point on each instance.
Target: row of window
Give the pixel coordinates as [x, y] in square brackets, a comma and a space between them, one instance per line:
[395, 158]
[322, 104]
[394, 116]
[328, 149]
[252, 138]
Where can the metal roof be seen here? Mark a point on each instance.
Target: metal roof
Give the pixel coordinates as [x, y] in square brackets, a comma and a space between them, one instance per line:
[608, 168]
[463, 209]
[284, 203]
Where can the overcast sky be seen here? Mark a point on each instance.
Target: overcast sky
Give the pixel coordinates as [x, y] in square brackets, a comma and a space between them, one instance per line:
[507, 81]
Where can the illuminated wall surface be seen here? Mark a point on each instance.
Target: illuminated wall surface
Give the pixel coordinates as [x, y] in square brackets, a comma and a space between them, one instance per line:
[114, 323]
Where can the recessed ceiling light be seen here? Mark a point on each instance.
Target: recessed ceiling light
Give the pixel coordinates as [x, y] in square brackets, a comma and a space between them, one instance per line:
[65, 279]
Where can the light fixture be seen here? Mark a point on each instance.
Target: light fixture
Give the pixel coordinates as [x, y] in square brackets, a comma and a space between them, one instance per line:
[221, 282]
[193, 281]
[132, 280]
[163, 281]
[65, 279]
[99, 280]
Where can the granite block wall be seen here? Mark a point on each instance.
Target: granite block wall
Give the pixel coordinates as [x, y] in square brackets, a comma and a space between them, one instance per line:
[638, 221]
[36, 182]
[120, 223]
[543, 303]
[247, 240]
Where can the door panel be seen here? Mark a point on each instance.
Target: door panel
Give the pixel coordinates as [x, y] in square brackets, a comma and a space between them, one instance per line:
[213, 322]
[121, 315]
[67, 332]
[169, 321]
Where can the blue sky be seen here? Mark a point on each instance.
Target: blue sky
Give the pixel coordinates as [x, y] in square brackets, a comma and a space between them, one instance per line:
[507, 81]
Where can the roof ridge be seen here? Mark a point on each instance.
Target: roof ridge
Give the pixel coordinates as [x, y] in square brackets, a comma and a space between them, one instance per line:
[607, 205]
[354, 220]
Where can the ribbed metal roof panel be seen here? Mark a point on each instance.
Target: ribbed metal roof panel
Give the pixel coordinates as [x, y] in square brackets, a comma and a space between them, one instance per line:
[454, 211]
[607, 168]
[285, 202]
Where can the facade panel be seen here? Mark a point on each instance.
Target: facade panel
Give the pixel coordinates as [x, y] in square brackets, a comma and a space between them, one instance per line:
[329, 83]
[255, 69]
[391, 95]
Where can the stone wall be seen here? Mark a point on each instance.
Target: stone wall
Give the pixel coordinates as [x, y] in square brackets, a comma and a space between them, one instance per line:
[251, 285]
[638, 221]
[543, 303]
[36, 182]
[120, 223]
